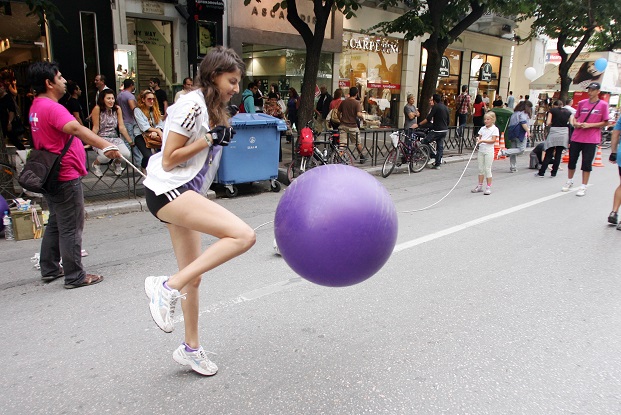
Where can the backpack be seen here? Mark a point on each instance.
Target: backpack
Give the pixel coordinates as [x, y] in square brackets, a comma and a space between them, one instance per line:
[242, 108]
[307, 142]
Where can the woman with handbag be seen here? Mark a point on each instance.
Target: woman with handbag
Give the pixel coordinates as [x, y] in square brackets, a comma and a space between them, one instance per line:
[196, 128]
[108, 123]
[148, 130]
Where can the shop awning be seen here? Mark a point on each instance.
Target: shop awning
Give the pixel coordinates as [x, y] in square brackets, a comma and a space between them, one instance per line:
[583, 72]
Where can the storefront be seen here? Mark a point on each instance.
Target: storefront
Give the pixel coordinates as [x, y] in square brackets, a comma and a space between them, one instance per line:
[373, 64]
[485, 74]
[449, 79]
[272, 49]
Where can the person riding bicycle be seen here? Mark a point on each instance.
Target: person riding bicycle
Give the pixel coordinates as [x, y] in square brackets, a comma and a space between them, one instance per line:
[439, 116]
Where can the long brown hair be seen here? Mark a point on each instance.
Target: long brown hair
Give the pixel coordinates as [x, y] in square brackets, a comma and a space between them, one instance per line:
[157, 115]
[101, 100]
[219, 60]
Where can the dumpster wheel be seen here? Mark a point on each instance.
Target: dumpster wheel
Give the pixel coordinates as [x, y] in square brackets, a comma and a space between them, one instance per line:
[275, 186]
[230, 190]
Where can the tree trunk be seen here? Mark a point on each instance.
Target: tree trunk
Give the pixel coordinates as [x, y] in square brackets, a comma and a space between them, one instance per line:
[435, 50]
[307, 102]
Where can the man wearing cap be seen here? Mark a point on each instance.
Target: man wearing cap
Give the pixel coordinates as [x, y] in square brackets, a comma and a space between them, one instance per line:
[591, 116]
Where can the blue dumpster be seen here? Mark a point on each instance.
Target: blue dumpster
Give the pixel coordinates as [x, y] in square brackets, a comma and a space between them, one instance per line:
[252, 154]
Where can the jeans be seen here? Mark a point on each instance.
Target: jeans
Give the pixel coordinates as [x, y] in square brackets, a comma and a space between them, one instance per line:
[462, 119]
[63, 234]
[438, 137]
[517, 148]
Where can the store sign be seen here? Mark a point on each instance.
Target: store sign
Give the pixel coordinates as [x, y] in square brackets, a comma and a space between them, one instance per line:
[383, 86]
[344, 83]
[485, 73]
[212, 4]
[445, 67]
[374, 45]
[261, 16]
[152, 7]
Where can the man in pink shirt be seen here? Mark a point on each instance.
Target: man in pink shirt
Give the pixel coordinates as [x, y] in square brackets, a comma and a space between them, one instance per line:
[588, 121]
[52, 127]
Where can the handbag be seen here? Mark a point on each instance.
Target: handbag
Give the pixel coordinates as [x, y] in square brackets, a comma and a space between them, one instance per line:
[17, 127]
[334, 116]
[155, 143]
[40, 173]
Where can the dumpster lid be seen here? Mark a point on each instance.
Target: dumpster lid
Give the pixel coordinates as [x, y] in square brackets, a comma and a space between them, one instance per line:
[248, 120]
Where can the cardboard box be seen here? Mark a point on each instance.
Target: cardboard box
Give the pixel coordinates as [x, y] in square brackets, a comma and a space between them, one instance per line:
[23, 226]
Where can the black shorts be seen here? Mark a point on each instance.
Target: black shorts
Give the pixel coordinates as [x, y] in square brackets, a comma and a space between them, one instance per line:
[588, 154]
[155, 203]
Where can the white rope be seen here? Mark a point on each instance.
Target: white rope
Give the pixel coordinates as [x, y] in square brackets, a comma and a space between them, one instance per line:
[135, 168]
[449, 192]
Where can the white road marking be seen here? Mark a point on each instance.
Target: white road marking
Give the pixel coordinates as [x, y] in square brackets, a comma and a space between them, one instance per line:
[414, 242]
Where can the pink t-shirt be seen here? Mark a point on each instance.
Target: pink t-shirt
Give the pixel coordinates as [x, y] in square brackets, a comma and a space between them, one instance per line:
[599, 113]
[47, 119]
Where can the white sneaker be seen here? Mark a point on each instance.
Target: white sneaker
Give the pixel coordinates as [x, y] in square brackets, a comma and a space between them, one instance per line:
[488, 191]
[162, 302]
[198, 360]
[581, 191]
[477, 189]
[567, 186]
[97, 170]
[118, 169]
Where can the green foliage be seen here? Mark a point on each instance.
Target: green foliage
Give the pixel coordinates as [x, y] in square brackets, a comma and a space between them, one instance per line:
[46, 11]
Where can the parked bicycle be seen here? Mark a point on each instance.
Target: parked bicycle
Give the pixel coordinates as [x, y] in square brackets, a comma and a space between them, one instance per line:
[8, 178]
[407, 150]
[330, 153]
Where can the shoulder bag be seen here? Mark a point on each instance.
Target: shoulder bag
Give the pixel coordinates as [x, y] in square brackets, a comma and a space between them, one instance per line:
[40, 173]
[152, 142]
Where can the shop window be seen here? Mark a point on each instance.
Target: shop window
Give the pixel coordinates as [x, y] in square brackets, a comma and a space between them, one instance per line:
[485, 74]
[90, 52]
[449, 80]
[283, 67]
[373, 64]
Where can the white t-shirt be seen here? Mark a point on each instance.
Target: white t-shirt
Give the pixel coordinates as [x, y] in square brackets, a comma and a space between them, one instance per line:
[189, 118]
[486, 134]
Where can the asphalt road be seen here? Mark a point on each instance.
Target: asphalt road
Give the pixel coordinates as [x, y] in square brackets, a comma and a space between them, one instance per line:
[501, 304]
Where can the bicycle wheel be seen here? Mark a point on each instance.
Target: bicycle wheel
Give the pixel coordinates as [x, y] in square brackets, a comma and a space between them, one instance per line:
[391, 161]
[297, 167]
[341, 157]
[7, 177]
[420, 158]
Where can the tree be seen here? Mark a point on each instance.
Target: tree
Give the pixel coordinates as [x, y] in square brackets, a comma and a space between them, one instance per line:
[313, 40]
[46, 11]
[444, 21]
[574, 27]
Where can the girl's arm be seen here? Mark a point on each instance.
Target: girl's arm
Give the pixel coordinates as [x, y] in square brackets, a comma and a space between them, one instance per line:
[549, 120]
[176, 152]
[95, 119]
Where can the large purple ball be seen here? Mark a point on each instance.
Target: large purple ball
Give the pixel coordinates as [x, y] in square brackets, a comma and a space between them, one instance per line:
[4, 206]
[336, 225]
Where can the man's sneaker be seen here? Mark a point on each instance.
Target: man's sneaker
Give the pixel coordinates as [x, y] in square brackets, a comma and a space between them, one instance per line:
[436, 167]
[581, 191]
[613, 218]
[477, 189]
[118, 169]
[198, 360]
[97, 170]
[362, 160]
[541, 176]
[512, 170]
[567, 186]
[488, 191]
[162, 302]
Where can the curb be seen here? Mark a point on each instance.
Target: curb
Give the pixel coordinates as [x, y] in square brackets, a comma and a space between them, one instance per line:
[139, 204]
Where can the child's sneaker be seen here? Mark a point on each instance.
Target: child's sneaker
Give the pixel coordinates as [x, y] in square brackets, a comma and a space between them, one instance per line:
[567, 186]
[197, 360]
[162, 302]
[477, 189]
[488, 190]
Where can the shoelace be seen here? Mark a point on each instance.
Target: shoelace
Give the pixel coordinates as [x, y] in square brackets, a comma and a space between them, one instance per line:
[173, 301]
[203, 353]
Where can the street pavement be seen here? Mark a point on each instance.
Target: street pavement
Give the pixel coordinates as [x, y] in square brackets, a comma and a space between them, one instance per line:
[500, 304]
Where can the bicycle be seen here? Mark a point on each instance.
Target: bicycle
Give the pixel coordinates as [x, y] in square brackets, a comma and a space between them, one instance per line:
[331, 154]
[407, 150]
[606, 137]
[8, 178]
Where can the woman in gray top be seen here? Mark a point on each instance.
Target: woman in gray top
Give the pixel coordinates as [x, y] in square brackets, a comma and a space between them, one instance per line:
[558, 137]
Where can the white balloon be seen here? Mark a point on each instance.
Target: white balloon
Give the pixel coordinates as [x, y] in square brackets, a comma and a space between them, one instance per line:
[530, 73]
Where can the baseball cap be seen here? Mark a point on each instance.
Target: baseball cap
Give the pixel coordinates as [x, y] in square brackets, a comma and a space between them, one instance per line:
[594, 85]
